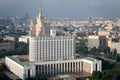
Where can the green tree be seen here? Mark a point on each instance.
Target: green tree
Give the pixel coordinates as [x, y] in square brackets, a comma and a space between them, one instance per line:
[113, 74]
[96, 75]
[1, 67]
[20, 49]
[93, 51]
[118, 57]
[81, 46]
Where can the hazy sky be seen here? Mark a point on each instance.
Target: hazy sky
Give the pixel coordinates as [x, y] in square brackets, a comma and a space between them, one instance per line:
[61, 8]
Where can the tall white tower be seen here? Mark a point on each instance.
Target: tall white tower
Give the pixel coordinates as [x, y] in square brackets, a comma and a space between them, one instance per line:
[32, 31]
[40, 25]
[41, 28]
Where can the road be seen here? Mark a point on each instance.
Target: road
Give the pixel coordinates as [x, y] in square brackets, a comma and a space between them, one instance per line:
[11, 75]
[107, 59]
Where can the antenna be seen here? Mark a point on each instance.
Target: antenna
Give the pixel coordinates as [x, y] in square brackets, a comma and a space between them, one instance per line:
[40, 10]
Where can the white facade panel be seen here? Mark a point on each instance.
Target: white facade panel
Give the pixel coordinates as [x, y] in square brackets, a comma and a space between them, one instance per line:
[51, 48]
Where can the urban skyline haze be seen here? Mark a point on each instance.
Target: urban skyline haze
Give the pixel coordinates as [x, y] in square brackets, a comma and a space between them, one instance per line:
[61, 8]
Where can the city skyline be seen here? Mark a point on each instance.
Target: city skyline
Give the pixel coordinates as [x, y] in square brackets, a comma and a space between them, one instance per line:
[51, 55]
[61, 8]
[79, 39]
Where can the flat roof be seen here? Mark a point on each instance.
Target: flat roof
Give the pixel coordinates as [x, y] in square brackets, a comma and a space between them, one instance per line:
[58, 61]
[23, 63]
[90, 59]
[27, 63]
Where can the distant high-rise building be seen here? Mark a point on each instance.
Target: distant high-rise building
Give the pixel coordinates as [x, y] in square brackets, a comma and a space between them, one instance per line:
[41, 28]
[90, 19]
[32, 31]
[40, 25]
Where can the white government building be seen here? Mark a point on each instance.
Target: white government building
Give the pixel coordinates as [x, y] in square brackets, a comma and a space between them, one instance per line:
[34, 69]
[51, 48]
[50, 55]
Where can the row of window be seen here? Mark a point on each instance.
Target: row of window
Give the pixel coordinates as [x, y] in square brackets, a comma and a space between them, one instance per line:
[58, 68]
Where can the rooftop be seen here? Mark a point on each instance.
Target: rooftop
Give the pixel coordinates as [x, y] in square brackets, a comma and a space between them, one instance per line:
[19, 61]
[90, 59]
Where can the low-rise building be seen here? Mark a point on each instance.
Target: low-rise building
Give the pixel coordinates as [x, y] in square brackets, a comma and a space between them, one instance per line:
[115, 45]
[24, 39]
[93, 41]
[21, 69]
[25, 69]
[96, 41]
[9, 38]
[103, 33]
[7, 45]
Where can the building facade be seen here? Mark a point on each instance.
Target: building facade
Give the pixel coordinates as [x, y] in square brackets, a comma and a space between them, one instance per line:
[51, 48]
[115, 45]
[9, 38]
[24, 39]
[93, 41]
[96, 41]
[103, 41]
[68, 66]
[7, 45]
[21, 69]
[40, 28]
[35, 69]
